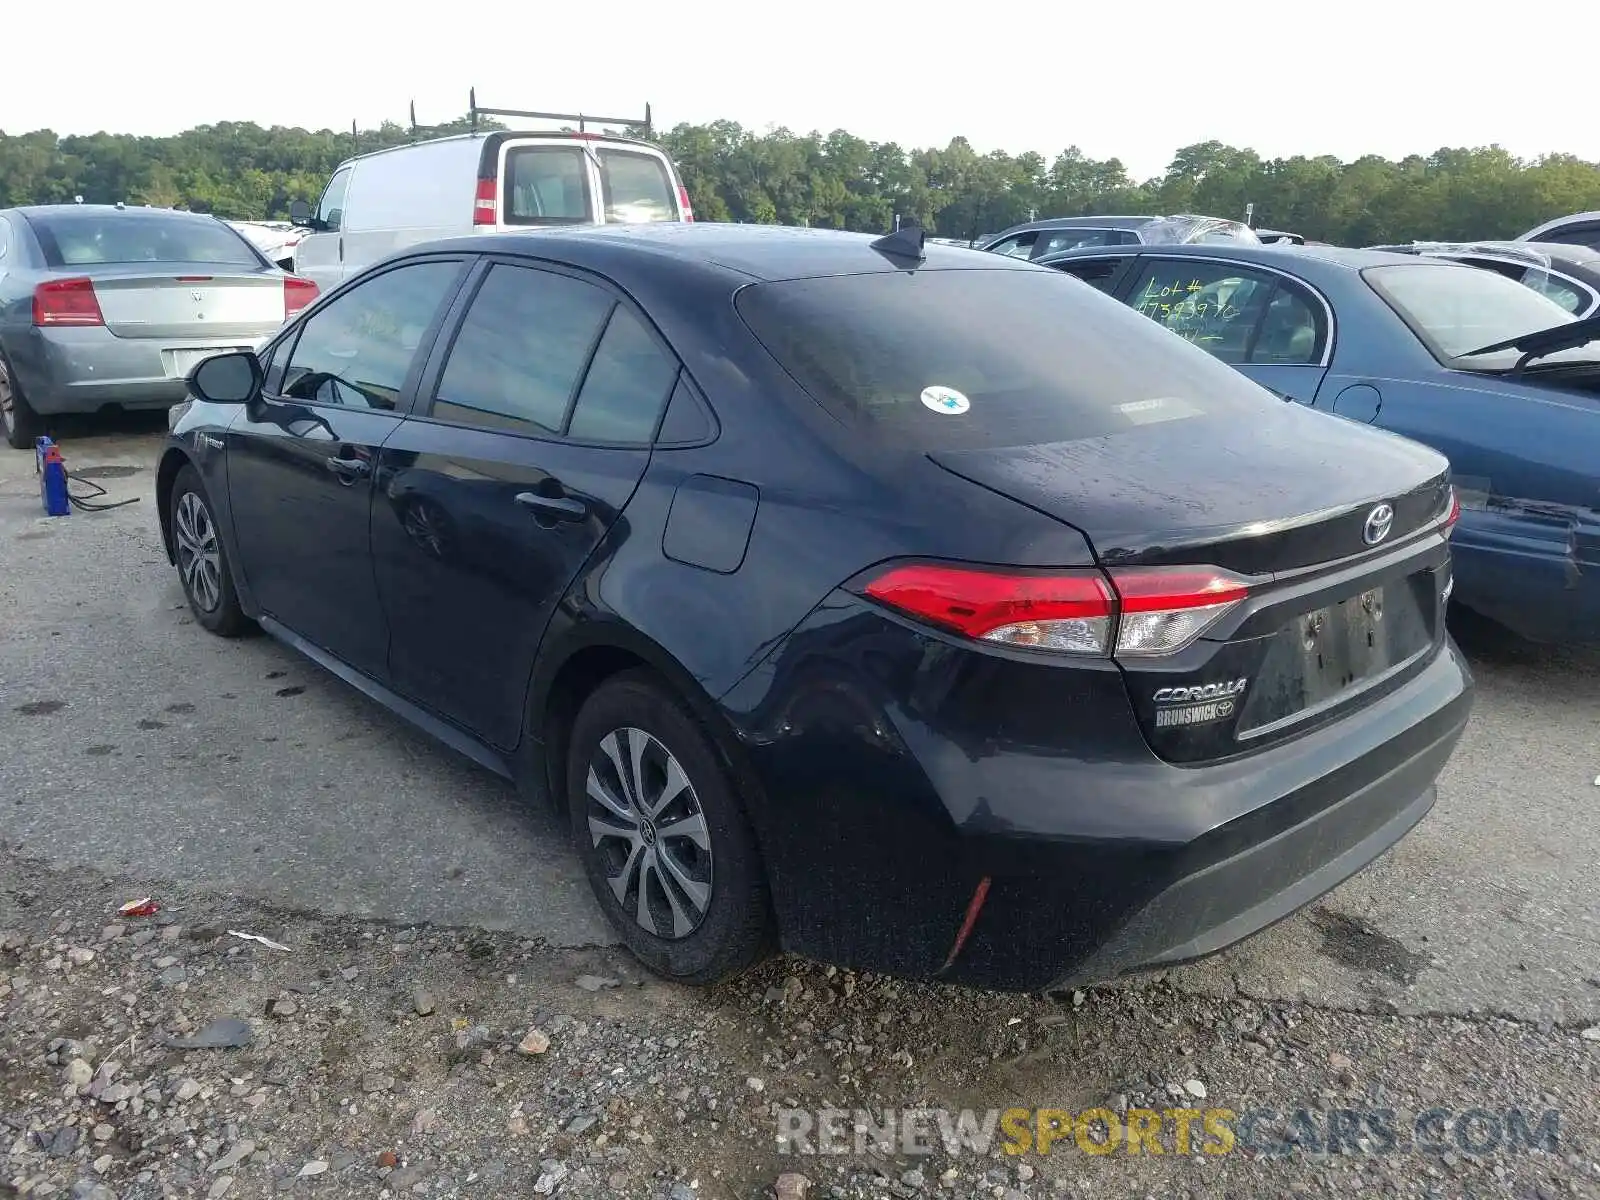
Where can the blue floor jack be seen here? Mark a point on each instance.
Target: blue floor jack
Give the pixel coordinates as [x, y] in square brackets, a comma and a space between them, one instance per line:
[53, 484]
[52, 472]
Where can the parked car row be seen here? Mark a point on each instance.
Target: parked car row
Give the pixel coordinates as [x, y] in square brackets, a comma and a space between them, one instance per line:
[868, 597]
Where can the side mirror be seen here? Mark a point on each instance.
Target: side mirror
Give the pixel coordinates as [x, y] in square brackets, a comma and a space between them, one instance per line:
[233, 378]
[300, 214]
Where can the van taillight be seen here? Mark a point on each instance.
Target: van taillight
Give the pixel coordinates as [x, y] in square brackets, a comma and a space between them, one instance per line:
[66, 302]
[297, 293]
[684, 206]
[485, 206]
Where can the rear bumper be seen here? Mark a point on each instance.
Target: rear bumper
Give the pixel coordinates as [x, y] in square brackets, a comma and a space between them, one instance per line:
[84, 370]
[897, 773]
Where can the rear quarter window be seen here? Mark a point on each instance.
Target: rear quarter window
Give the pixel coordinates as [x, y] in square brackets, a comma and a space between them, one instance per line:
[985, 358]
[85, 239]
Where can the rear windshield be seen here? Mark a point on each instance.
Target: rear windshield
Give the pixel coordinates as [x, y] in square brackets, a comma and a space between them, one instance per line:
[637, 188]
[978, 358]
[82, 239]
[547, 185]
[1456, 309]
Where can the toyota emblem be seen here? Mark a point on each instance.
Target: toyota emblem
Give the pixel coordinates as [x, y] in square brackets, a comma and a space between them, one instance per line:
[1379, 521]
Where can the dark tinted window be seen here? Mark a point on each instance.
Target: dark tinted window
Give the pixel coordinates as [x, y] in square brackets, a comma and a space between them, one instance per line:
[357, 349]
[626, 385]
[521, 350]
[1239, 315]
[636, 187]
[82, 239]
[686, 420]
[546, 185]
[1575, 235]
[1100, 273]
[1029, 355]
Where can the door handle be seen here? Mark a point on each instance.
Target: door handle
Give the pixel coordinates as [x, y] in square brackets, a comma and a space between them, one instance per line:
[562, 508]
[352, 468]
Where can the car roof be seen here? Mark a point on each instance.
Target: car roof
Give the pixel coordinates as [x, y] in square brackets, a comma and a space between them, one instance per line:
[1339, 256]
[749, 252]
[129, 210]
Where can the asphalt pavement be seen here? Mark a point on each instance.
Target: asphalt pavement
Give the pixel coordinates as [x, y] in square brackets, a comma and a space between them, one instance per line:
[134, 743]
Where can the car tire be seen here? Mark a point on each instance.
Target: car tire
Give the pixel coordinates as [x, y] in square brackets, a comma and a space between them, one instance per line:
[19, 422]
[204, 565]
[708, 876]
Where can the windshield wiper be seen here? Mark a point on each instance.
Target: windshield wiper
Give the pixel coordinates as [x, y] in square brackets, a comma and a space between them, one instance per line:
[1541, 342]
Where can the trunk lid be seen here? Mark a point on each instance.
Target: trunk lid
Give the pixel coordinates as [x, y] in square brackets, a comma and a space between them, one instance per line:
[177, 302]
[1292, 489]
[1337, 530]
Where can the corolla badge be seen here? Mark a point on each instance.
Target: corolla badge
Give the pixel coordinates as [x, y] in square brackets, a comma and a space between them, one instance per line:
[1379, 521]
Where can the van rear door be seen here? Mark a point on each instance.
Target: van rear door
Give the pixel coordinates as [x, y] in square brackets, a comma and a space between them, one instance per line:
[576, 180]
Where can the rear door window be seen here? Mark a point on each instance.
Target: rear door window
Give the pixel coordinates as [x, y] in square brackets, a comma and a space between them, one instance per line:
[92, 236]
[1237, 314]
[547, 185]
[636, 187]
[980, 358]
[521, 351]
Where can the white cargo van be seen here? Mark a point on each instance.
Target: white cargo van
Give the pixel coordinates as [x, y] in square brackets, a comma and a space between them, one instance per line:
[480, 182]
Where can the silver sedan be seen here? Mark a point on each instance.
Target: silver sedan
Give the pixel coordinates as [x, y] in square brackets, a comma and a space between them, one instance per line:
[103, 305]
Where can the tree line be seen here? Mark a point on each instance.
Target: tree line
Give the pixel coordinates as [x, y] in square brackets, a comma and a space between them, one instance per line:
[242, 170]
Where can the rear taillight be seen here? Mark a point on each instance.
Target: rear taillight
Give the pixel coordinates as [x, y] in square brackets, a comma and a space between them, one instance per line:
[485, 207]
[1165, 609]
[1069, 612]
[1134, 613]
[297, 293]
[684, 206]
[66, 302]
[1453, 513]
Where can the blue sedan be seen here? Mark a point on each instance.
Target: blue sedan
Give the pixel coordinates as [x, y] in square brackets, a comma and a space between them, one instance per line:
[1496, 376]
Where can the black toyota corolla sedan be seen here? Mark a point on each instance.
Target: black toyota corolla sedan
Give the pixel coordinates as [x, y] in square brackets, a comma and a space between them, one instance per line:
[911, 608]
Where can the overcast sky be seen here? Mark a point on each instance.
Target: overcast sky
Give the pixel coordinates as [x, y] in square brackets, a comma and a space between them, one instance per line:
[1358, 77]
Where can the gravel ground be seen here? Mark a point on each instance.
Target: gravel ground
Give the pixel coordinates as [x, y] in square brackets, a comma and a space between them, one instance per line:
[387, 1060]
[451, 1020]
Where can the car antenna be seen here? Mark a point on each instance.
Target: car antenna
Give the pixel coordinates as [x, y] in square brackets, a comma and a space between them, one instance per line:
[905, 242]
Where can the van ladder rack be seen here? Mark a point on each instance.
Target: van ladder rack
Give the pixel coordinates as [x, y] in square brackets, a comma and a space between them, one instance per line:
[583, 120]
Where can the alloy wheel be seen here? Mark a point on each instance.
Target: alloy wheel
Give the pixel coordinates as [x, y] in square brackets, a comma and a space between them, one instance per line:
[650, 833]
[199, 557]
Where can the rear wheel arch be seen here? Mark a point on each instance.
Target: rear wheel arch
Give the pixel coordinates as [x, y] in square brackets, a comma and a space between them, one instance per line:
[593, 653]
